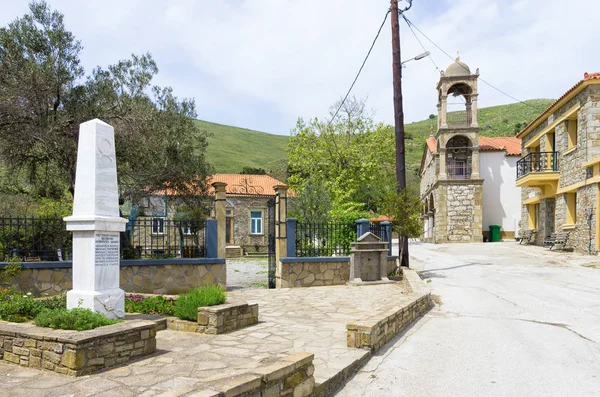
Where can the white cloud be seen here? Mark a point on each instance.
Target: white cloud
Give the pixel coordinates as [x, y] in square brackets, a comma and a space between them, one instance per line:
[262, 63]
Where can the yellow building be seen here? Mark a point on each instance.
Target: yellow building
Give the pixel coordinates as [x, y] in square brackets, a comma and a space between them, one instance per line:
[559, 171]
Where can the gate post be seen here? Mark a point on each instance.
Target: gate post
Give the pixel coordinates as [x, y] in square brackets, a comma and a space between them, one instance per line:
[362, 227]
[291, 237]
[220, 204]
[386, 235]
[280, 222]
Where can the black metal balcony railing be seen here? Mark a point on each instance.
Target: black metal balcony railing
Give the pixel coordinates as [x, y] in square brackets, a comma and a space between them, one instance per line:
[537, 162]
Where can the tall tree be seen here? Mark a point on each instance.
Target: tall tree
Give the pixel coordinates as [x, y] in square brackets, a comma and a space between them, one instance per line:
[44, 97]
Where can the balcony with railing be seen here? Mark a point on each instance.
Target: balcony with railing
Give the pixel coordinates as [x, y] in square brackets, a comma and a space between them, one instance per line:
[537, 162]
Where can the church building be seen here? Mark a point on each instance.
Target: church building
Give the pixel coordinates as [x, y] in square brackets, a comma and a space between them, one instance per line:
[467, 181]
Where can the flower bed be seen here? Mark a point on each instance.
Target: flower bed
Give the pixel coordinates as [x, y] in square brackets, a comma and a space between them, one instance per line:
[76, 353]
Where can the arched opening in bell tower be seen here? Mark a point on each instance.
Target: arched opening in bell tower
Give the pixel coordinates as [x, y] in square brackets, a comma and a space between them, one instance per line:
[459, 157]
[459, 106]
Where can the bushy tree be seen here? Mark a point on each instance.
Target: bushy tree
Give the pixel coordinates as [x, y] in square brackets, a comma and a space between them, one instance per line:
[312, 203]
[44, 97]
[352, 156]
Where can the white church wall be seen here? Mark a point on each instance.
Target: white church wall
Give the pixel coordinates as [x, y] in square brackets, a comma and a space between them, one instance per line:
[501, 198]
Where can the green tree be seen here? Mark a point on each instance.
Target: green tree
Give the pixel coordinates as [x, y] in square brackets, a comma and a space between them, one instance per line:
[312, 203]
[405, 209]
[253, 171]
[352, 156]
[44, 97]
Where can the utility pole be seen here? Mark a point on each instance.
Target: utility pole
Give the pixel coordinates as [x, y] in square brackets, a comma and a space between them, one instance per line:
[399, 119]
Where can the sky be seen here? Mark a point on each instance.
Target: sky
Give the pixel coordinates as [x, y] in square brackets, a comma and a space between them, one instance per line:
[261, 64]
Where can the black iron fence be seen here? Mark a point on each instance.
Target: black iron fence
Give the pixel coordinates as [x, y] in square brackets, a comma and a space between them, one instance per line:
[47, 239]
[324, 239]
[537, 162]
[156, 238]
[34, 239]
[376, 228]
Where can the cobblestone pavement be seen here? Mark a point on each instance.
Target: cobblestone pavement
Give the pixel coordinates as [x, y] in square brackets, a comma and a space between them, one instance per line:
[290, 320]
[247, 272]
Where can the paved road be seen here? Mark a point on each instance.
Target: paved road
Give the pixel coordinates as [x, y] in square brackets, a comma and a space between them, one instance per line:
[513, 321]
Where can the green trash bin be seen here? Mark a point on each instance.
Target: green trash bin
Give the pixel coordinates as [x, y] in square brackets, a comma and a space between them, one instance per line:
[495, 233]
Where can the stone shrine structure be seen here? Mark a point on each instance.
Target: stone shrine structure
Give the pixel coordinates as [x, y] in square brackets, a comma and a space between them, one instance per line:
[368, 260]
[96, 224]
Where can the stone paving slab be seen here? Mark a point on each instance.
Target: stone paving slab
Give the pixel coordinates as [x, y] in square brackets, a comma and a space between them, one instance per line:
[291, 320]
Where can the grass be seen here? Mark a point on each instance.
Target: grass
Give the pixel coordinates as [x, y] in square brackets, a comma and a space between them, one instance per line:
[19, 307]
[232, 148]
[260, 285]
[135, 303]
[186, 307]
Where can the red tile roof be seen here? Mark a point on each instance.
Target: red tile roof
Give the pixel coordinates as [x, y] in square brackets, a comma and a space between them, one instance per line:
[511, 145]
[586, 77]
[247, 184]
[432, 144]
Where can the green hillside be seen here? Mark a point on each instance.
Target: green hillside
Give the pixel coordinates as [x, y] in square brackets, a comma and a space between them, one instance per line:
[232, 148]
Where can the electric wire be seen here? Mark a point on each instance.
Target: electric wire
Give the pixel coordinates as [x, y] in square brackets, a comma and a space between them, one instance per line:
[359, 70]
[409, 23]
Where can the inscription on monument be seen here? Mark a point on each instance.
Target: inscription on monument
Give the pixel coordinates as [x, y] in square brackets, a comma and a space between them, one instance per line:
[107, 249]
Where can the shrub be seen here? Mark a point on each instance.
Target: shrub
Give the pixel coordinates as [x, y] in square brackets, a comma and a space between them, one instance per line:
[74, 319]
[186, 307]
[10, 271]
[16, 307]
[151, 305]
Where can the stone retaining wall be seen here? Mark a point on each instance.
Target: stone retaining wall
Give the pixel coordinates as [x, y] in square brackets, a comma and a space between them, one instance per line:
[218, 319]
[170, 276]
[76, 353]
[288, 376]
[376, 332]
[317, 271]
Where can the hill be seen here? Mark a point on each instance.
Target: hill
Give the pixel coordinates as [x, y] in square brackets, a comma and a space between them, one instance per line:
[232, 148]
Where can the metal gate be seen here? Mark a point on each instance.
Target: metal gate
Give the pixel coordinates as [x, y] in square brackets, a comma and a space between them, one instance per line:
[271, 240]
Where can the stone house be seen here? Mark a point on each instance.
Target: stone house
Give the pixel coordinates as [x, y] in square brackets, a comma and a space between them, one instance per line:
[560, 168]
[247, 206]
[247, 217]
[467, 181]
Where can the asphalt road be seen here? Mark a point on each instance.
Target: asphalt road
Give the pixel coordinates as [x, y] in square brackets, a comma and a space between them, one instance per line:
[513, 321]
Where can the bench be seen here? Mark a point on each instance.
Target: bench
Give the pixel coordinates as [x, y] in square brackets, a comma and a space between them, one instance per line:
[527, 236]
[557, 238]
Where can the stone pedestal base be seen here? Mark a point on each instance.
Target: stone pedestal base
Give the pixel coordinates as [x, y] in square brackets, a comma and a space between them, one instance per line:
[108, 302]
[358, 282]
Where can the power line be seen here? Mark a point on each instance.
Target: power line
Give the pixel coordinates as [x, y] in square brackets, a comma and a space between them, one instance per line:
[359, 70]
[410, 25]
[422, 46]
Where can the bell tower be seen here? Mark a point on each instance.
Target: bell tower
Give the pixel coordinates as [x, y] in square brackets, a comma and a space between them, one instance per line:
[459, 189]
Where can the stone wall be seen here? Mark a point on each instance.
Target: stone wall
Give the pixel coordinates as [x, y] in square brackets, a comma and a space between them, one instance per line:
[158, 276]
[458, 212]
[76, 353]
[374, 333]
[218, 319]
[318, 271]
[288, 376]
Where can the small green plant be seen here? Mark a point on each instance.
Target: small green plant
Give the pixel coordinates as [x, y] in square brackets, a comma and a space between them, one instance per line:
[10, 271]
[18, 307]
[257, 247]
[74, 319]
[260, 285]
[135, 303]
[186, 307]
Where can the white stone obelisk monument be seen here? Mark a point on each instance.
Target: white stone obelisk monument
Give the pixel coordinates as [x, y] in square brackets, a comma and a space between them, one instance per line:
[96, 224]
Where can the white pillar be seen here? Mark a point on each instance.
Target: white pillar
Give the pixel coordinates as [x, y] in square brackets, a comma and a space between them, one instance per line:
[431, 226]
[96, 224]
